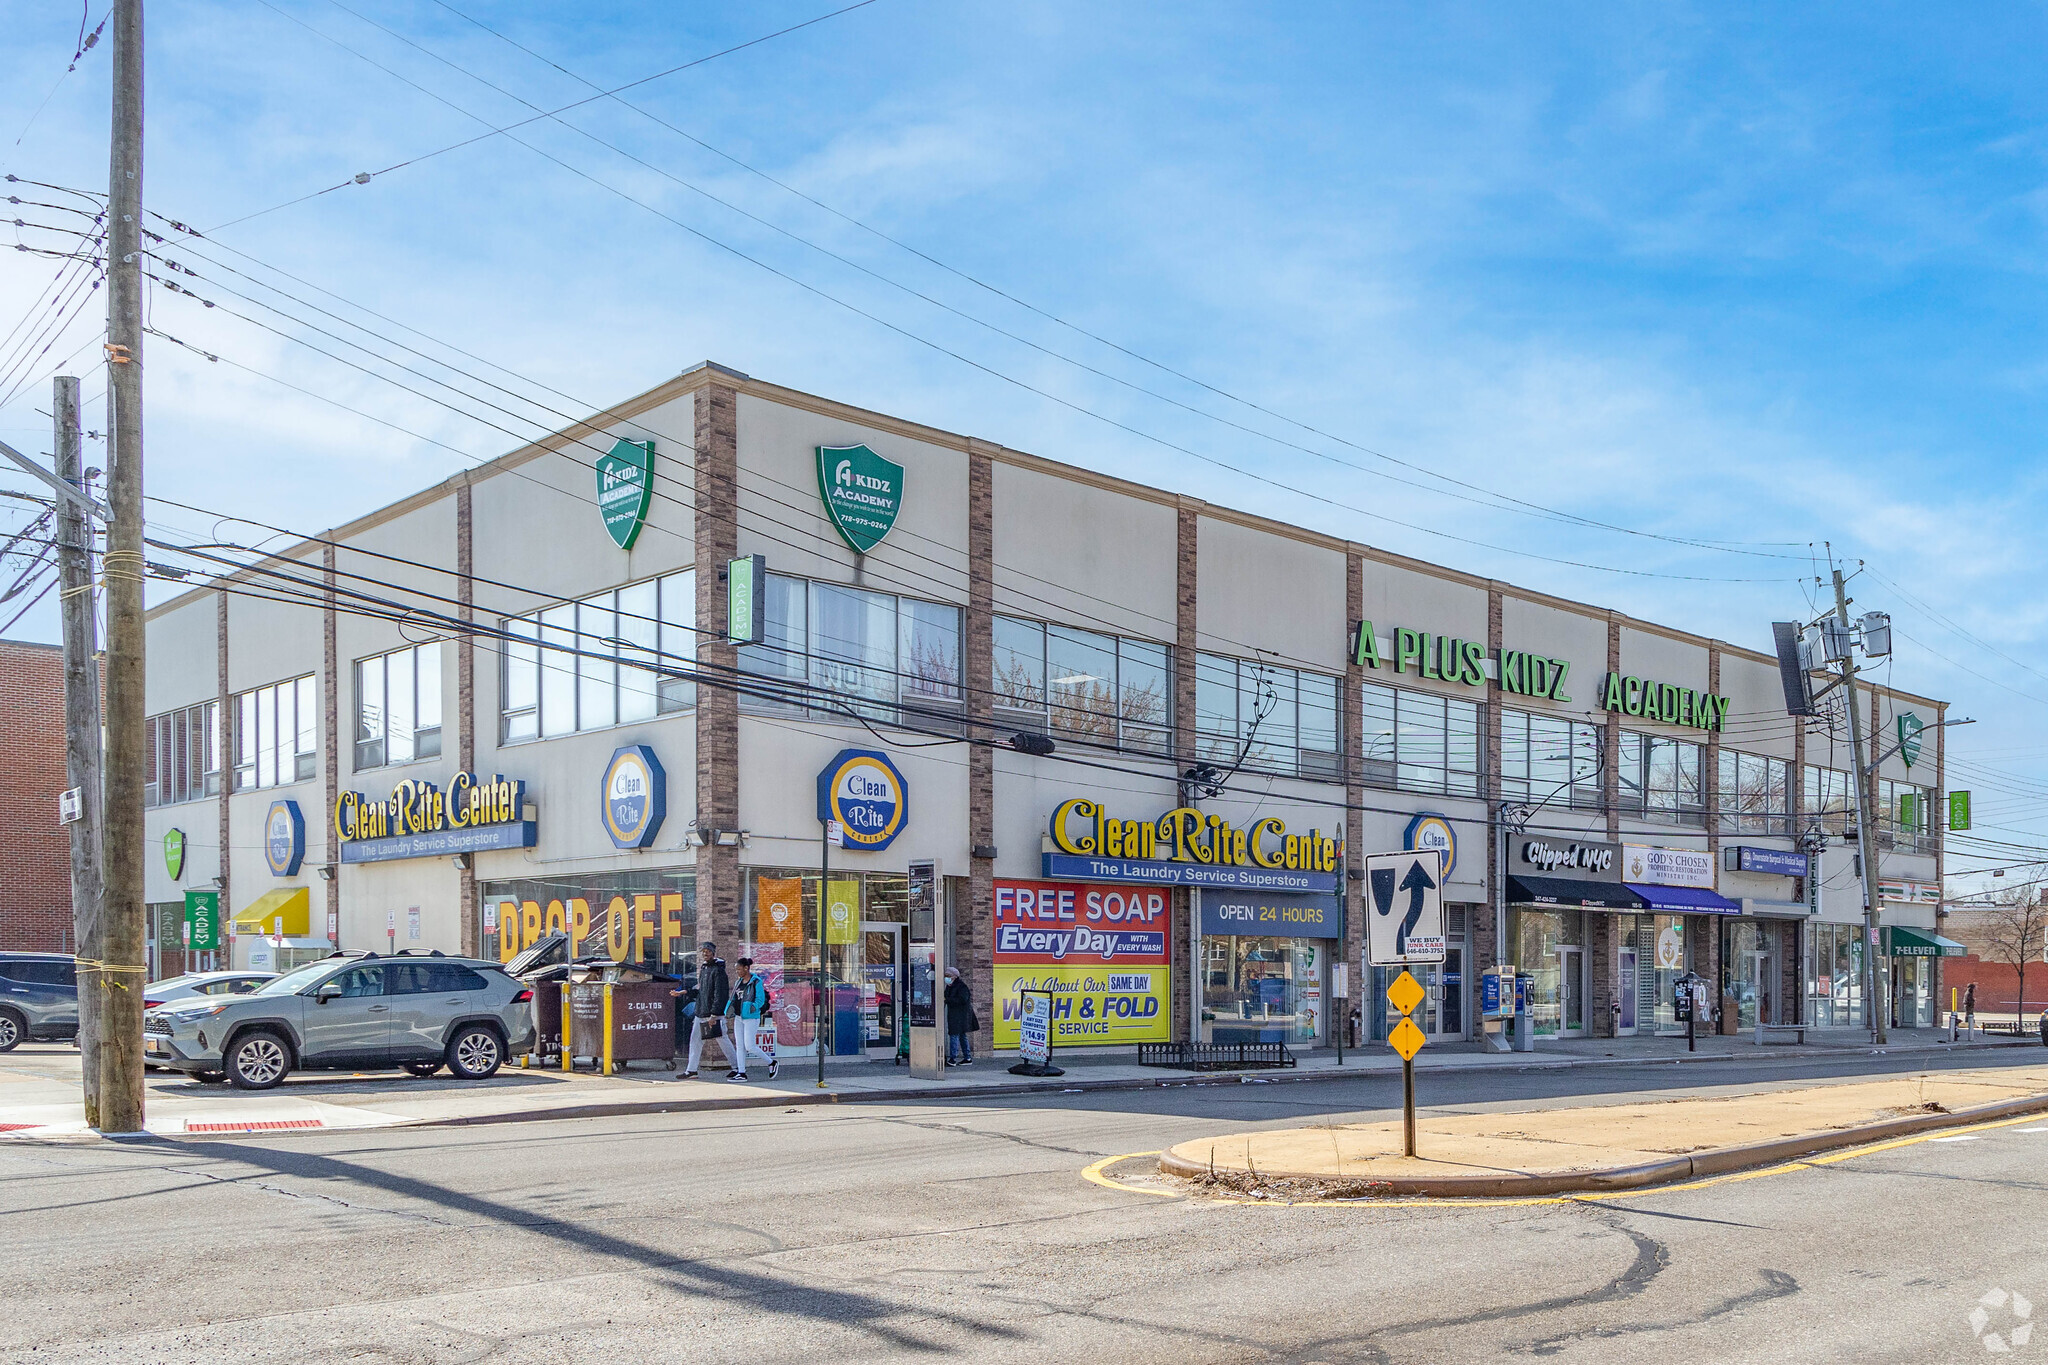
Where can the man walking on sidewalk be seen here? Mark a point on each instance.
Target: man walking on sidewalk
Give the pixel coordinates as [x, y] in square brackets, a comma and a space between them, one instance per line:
[961, 1025]
[743, 1015]
[713, 990]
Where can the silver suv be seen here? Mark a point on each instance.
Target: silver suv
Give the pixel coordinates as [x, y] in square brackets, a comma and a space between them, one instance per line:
[38, 997]
[349, 1012]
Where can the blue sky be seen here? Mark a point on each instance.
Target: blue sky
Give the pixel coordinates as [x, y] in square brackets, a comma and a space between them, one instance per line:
[1716, 273]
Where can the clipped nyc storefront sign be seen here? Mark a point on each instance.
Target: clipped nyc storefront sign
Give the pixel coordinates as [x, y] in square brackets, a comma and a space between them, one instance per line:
[862, 492]
[625, 489]
[861, 789]
[419, 820]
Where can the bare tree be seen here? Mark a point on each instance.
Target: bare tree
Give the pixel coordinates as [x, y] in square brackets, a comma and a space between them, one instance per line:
[2014, 934]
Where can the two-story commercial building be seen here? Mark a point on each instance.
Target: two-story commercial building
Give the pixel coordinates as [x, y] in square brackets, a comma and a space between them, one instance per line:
[1140, 744]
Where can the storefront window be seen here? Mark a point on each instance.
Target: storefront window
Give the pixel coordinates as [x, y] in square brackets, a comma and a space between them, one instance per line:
[1550, 949]
[1834, 975]
[648, 917]
[1660, 947]
[779, 929]
[1262, 990]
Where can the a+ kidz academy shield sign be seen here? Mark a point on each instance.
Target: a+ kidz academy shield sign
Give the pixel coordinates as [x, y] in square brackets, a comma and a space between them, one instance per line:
[861, 789]
[625, 487]
[862, 493]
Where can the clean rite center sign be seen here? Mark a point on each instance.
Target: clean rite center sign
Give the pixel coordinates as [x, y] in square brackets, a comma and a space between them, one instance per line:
[862, 492]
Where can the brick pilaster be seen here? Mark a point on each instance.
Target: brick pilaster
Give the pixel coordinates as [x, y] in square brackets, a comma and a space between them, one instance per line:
[1710, 776]
[471, 914]
[330, 735]
[1610, 742]
[1187, 996]
[717, 718]
[979, 668]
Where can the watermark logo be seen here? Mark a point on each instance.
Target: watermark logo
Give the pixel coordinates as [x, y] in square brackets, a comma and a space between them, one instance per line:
[2002, 1322]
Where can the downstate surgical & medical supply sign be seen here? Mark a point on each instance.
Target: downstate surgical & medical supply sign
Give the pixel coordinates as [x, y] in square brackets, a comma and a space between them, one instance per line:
[1100, 950]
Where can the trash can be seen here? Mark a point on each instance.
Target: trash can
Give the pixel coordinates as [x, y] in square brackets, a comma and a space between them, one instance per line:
[617, 1013]
[546, 985]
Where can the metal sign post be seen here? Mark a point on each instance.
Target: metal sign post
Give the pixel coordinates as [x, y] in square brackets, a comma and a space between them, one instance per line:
[1404, 927]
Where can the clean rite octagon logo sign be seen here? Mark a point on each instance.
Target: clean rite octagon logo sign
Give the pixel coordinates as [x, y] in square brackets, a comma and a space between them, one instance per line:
[625, 488]
[862, 493]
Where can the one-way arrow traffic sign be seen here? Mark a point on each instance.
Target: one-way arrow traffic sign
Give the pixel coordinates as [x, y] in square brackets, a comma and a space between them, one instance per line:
[1405, 911]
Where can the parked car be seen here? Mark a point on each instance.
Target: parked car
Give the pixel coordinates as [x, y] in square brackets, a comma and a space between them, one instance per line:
[352, 1011]
[202, 983]
[38, 997]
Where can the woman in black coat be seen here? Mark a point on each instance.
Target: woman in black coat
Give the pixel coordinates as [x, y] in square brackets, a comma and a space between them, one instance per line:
[961, 1025]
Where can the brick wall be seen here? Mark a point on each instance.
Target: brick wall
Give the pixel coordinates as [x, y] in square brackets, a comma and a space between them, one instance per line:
[35, 851]
[717, 715]
[978, 962]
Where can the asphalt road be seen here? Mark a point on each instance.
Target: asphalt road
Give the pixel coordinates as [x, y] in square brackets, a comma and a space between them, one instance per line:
[901, 1230]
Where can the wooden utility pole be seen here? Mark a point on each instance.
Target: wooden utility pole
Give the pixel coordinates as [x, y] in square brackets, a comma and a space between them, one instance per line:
[1866, 841]
[81, 728]
[119, 977]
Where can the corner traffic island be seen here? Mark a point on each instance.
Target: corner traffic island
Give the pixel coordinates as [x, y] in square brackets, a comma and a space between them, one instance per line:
[1600, 1147]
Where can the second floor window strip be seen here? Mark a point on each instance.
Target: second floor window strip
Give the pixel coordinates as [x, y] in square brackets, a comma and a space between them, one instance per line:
[1279, 719]
[832, 646]
[1661, 779]
[1546, 761]
[277, 734]
[1419, 741]
[614, 658]
[1830, 800]
[1755, 794]
[184, 755]
[1081, 684]
[398, 707]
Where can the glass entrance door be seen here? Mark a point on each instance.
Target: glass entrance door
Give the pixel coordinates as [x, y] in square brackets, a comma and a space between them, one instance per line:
[1628, 994]
[881, 987]
[1571, 986]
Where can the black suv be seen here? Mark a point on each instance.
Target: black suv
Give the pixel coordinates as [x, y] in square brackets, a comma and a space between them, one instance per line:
[38, 997]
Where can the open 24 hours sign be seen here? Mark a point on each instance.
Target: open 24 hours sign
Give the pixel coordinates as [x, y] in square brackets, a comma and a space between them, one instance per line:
[1100, 950]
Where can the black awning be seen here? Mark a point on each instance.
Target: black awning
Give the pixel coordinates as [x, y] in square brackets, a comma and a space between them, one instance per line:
[1572, 891]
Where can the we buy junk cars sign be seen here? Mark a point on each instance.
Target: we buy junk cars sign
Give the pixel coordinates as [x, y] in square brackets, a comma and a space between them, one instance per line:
[1101, 951]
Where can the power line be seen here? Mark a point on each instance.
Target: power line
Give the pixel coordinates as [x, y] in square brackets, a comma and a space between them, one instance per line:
[992, 372]
[1491, 499]
[365, 177]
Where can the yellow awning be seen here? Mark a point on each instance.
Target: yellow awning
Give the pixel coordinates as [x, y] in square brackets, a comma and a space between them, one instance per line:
[293, 903]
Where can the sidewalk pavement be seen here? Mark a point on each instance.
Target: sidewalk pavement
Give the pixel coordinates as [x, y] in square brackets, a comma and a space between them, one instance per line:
[1604, 1147]
[39, 1084]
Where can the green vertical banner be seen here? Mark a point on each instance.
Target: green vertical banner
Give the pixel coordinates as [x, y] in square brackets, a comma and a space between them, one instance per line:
[1958, 810]
[202, 916]
[746, 599]
[842, 911]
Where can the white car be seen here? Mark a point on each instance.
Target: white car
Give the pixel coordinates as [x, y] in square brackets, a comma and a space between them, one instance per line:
[193, 984]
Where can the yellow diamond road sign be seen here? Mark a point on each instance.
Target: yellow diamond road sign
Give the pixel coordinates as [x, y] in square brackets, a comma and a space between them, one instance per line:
[1405, 994]
[1407, 1039]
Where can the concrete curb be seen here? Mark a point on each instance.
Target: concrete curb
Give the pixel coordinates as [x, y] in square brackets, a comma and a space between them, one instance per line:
[1718, 1161]
[769, 1099]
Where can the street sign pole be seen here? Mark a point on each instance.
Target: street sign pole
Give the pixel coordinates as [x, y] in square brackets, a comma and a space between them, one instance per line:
[1408, 1107]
